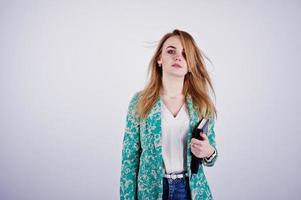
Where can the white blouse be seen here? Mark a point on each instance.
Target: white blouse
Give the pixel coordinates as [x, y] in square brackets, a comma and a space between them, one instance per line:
[174, 139]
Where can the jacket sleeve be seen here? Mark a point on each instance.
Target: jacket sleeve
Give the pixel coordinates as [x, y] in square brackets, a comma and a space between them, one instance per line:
[130, 153]
[211, 138]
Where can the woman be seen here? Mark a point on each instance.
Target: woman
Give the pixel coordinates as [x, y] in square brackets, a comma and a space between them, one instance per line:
[157, 144]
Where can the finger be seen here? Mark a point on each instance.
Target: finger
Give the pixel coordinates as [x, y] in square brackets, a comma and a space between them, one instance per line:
[204, 136]
[196, 141]
[196, 147]
[193, 147]
[196, 152]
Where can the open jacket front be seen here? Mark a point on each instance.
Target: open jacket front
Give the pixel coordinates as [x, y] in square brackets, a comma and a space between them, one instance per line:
[142, 162]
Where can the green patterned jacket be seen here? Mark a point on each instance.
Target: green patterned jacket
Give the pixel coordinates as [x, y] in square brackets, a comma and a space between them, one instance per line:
[142, 162]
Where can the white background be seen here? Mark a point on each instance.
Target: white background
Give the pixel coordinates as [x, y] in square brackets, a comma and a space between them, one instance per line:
[69, 68]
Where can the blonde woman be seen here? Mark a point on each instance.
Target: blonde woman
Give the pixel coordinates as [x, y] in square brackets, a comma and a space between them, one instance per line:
[158, 144]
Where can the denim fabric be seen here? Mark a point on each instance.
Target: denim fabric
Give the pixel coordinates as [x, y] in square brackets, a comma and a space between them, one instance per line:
[176, 189]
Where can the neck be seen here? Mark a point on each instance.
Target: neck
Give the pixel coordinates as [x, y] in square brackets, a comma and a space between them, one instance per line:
[172, 86]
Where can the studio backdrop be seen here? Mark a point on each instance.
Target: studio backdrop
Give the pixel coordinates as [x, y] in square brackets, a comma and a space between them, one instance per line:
[68, 70]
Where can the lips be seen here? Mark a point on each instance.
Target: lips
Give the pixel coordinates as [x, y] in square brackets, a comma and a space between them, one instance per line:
[177, 65]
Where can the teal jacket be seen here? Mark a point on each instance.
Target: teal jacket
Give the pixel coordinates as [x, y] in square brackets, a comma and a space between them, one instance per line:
[142, 162]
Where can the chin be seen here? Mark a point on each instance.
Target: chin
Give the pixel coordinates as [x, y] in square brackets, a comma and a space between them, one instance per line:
[178, 75]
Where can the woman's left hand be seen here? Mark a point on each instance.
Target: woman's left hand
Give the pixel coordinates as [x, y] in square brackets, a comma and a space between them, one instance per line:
[201, 148]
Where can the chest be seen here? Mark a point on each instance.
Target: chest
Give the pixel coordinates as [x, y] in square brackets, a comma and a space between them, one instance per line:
[173, 105]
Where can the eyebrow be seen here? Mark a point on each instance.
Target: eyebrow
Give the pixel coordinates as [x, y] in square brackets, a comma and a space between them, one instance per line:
[171, 47]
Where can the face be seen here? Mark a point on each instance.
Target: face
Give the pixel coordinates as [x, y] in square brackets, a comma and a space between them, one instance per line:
[172, 58]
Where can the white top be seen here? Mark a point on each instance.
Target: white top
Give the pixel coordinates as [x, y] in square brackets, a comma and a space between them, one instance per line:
[174, 139]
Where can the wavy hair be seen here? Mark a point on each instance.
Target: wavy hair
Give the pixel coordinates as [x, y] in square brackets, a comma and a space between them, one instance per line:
[197, 82]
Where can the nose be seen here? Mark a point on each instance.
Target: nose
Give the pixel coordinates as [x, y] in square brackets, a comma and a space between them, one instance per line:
[178, 57]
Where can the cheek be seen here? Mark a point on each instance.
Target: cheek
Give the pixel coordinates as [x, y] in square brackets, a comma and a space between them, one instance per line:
[167, 58]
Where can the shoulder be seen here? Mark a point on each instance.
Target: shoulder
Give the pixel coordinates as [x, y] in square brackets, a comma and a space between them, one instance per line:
[135, 98]
[132, 106]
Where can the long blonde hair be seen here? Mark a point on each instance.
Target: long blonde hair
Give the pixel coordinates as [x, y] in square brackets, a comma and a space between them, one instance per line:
[196, 82]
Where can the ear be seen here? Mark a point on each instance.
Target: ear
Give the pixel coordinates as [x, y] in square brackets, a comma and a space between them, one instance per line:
[159, 61]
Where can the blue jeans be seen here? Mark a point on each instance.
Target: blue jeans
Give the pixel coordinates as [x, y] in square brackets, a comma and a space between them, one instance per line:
[176, 189]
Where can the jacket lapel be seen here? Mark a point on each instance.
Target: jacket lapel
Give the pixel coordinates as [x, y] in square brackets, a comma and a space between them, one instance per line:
[194, 118]
[154, 123]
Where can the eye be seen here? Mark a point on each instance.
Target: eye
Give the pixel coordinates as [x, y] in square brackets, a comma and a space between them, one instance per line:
[171, 51]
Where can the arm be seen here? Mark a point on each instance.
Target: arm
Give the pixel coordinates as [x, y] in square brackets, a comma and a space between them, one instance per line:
[211, 138]
[130, 153]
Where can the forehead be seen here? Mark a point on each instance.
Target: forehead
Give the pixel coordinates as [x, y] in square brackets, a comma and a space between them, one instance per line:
[173, 41]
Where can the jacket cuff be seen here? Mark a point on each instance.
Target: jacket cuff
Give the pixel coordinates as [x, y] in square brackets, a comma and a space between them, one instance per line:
[210, 162]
